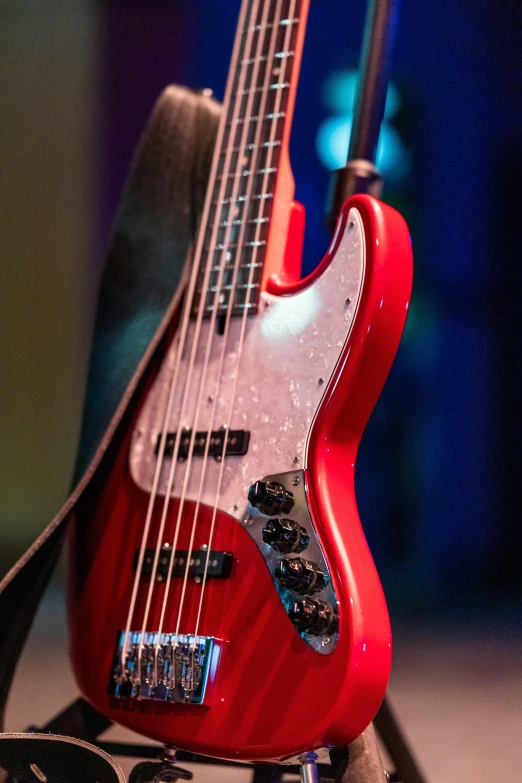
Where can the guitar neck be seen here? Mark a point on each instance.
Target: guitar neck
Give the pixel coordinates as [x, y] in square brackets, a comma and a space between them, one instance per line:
[251, 187]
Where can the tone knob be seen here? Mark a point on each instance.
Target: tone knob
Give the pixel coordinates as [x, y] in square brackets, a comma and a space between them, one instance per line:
[301, 576]
[314, 617]
[270, 498]
[285, 536]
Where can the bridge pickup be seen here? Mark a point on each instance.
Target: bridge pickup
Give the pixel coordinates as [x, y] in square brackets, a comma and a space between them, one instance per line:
[219, 563]
[237, 443]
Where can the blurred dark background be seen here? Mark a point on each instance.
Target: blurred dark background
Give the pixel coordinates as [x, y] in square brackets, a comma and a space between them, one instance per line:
[439, 483]
[438, 477]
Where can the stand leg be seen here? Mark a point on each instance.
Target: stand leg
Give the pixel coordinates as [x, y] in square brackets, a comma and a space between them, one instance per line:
[360, 762]
[394, 741]
[308, 768]
[267, 773]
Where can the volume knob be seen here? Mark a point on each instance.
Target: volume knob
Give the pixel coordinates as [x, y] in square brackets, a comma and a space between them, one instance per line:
[314, 617]
[270, 498]
[301, 576]
[285, 536]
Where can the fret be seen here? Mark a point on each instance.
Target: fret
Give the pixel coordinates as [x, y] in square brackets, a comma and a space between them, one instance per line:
[275, 86]
[270, 25]
[256, 197]
[239, 222]
[263, 58]
[246, 173]
[237, 225]
[255, 243]
[237, 306]
[237, 287]
[251, 147]
[271, 116]
[217, 267]
[243, 275]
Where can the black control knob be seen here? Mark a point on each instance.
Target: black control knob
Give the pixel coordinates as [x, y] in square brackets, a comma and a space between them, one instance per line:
[285, 536]
[270, 498]
[314, 617]
[301, 576]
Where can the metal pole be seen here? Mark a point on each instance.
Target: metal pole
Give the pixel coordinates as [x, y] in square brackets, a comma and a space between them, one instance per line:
[379, 34]
[360, 174]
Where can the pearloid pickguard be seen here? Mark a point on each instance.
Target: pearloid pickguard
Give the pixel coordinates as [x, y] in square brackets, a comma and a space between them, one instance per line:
[292, 343]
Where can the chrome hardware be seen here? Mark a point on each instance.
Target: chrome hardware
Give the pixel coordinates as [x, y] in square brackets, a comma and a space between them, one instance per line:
[308, 768]
[176, 669]
[277, 537]
[270, 498]
[285, 536]
[301, 576]
[314, 617]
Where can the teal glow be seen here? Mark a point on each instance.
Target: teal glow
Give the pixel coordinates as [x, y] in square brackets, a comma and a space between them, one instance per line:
[339, 94]
[393, 159]
[339, 91]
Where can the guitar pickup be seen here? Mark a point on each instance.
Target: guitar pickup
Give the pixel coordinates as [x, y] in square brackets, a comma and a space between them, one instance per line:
[219, 563]
[236, 443]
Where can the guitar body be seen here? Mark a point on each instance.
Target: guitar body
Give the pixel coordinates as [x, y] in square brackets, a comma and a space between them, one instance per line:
[301, 381]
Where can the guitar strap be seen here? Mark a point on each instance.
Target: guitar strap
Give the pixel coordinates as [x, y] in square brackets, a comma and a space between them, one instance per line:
[51, 758]
[147, 262]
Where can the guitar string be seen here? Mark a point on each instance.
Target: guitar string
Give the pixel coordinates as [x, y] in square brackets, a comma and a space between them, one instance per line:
[211, 330]
[288, 34]
[241, 77]
[189, 296]
[188, 381]
[253, 163]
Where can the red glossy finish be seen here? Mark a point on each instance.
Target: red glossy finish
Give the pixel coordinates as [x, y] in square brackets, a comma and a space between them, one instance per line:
[291, 271]
[270, 695]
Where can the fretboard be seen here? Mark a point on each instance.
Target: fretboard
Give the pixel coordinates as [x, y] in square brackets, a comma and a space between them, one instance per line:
[247, 157]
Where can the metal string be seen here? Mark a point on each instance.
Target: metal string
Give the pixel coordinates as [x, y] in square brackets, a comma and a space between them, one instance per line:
[215, 394]
[242, 150]
[190, 372]
[182, 339]
[288, 34]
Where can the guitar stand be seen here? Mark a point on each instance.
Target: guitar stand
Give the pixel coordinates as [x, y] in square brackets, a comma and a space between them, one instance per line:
[358, 763]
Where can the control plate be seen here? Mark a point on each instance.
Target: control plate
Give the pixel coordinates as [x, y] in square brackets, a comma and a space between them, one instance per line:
[253, 521]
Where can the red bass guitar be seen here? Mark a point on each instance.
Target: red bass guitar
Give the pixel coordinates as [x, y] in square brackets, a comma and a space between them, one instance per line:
[245, 618]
